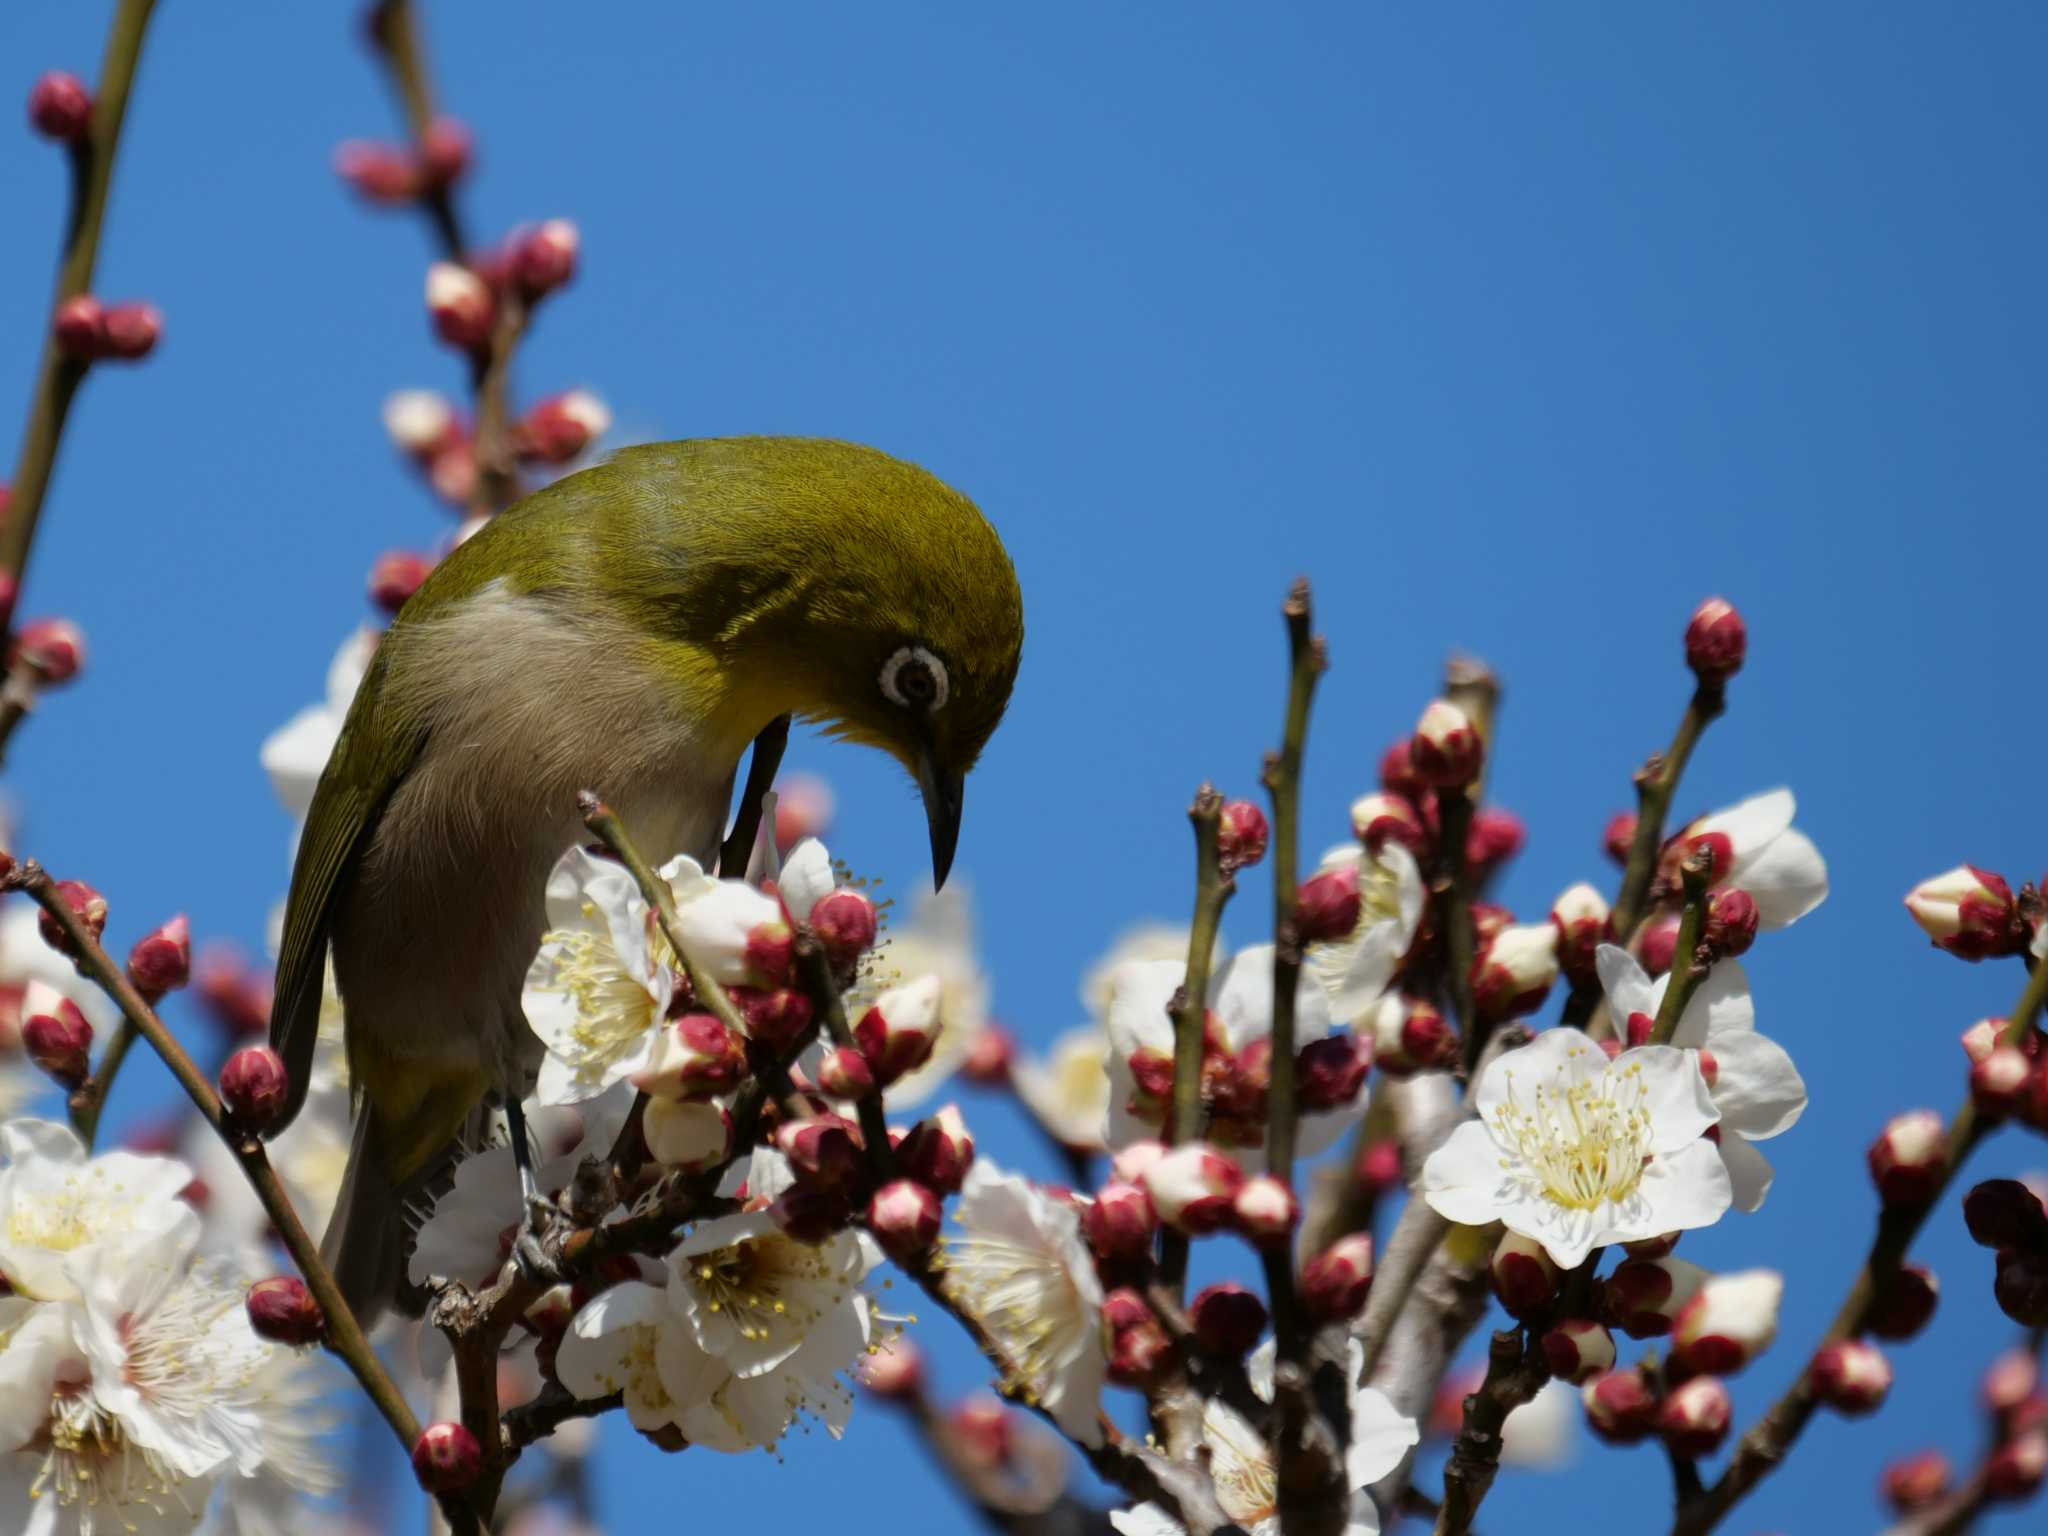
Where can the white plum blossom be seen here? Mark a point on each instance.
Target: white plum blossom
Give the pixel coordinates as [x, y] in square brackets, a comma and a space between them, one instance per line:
[1240, 1028]
[753, 1296]
[1241, 1464]
[716, 921]
[1575, 1151]
[295, 754]
[1544, 1432]
[1758, 850]
[1754, 1084]
[1355, 970]
[1068, 1089]
[595, 994]
[1024, 1273]
[1149, 941]
[61, 1210]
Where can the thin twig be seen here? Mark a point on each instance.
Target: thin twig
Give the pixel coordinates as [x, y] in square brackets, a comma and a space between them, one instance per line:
[89, 1102]
[1772, 1438]
[1306, 661]
[1690, 963]
[1514, 1375]
[395, 31]
[345, 1334]
[543, 1415]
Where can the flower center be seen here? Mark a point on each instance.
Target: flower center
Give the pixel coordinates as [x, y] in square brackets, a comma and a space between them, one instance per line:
[1026, 1301]
[613, 1010]
[91, 1463]
[734, 1282]
[1585, 1143]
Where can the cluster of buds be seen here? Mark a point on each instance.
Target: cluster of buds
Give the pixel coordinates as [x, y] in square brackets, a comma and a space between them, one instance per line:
[561, 428]
[90, 331]
[432, 433]
[1410, 1035]
[393, 175]
[2008, 1217]
[1329, 1074]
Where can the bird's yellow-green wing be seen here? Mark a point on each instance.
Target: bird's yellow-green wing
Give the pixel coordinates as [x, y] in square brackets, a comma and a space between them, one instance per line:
[373, 753]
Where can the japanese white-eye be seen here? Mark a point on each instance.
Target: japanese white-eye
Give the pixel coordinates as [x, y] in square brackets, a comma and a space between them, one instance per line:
[628, 630]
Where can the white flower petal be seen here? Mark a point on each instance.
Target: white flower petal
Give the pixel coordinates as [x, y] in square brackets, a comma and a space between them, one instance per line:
[1749, 1172]
[1380, 1436]
[1681, 1190]
[1752, 822]
[806, 876]
[1756, 1087]
[1676, 1097]
[1788, 879]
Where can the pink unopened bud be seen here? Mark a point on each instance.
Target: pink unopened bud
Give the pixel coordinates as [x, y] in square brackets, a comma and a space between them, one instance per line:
[1130, 1164]
[1494, 837]
[1910, 1158]
[1619, 838]
[1578, 1349]
[1915, 1482]
[1120, 1223]
[1983, 1037]
[543, 259]
[446, 1458]
[382, 173]
[283, 1311]
[1583, 922]
[1716, 641]
[1265, 1211]
[1645, 1296]
[824, 1153]
[687, 1134]
[2016, 1469]
[1241, 835]
[1409, 1036]
[253, 1088]
[1327, 905]
[845, 1074]
[982, 1430]
[55, 1034]
[1138, 1345]
[1904, 1300]
[1850, 1376]
[1658, 946]
[560, 427]
[938, 1151]
[130, 332]
[1620, 1407]
[444, 152]
[461, 305]
[904, 1217]
[1227, 1319]
[80, 326]
[1334, 1283]
[1328, 1073]
[1524, 1278]
[1695, 1417]
[1728, 1322]
[1969, 912]
[87, 904]
[2020, 1287]
[893, 1369]
[1731, 922]
[1397, 772]
[694, 1057]
[1445, 751]
[2010, 1381]
[53, 651]
[398, 574]
[1194, 1188]
[1515, 972]
[60, 107]
[898, 1032]
[844, 921]
[421, 423]
[161, 961]
[1381, 818]
[2004, 1213]
[775, 1016]
[988, 1059]
[1999, 1082]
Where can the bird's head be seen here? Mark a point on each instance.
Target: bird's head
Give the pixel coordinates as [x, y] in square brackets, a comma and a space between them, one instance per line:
[836, 583]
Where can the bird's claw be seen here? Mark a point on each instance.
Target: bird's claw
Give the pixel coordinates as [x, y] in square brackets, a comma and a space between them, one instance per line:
[533, 1250]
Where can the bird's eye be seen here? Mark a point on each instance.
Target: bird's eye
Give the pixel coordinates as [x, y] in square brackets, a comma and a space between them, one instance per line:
[915, 679]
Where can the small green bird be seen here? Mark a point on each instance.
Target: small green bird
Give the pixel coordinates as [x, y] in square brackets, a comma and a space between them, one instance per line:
[628, 630]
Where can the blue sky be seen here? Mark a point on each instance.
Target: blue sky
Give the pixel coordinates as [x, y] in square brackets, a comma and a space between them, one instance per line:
[1518, 329]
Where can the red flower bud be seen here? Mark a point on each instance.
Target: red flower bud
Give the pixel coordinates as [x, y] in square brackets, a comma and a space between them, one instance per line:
[1138, 1346]
[1334, 1283]
[1329, 1072]
[1495, 837]
[60, 107]
[80, 326]
[444, 152]
[825, 1153]
[1909, 1158]
[1410, 1035]
[1524, 1278]
[1515, 972]
[1227, 1319]
[1583, 922]
[1695, 1417]
[1619, 838]
[1578, 1349]
[2016, 1469]
[1658, 946]
[382, 173]
[1266, 1211]
[161, 961]
[981, 1430]
[1850, 1376]
[130, 332]
[1446, 751]
[1397, 772]
[845, 1074]
[56, 1035]
[904, 1217]
[2020, 1286]
[1194, 1188]
[560, 427]
[1903, 1302]
[938, 1151]
[283, 1311]
[844, 921]
[1327, 905]
[897, 1034]
[988, 1059]
[461, 305]
[253, 1088]
[53, 651]
[1645, 1296]
[1731, 922]
[1999, 1083]
[1121, 1222]
[90, 908]
[543, 259]
[1969, 912]
[893, 1369]
[775, 1016]
[1241, 835]
[446, 1458]
[1619, 1407]
[398, 574]
[1379, 819]
[2004, 1213]
[1716, 641]
[1914, 1482]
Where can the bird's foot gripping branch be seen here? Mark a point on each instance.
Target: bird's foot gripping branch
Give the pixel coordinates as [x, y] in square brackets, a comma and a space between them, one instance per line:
[721, 1187]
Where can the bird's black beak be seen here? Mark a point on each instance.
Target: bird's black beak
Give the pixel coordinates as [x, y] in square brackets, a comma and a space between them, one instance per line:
[942, 793]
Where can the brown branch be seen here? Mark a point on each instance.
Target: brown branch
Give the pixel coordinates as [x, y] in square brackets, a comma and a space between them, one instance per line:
[1772, 1439]
[543, 1415]
[345, 1336]
[395, 32]
[60, 373]
[1690, 962]
[1513, 1377]
[89, 1101]
[1306, 662]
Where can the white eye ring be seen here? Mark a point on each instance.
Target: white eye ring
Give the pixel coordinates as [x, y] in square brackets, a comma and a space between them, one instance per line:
[892, 671]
